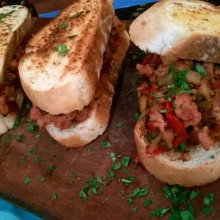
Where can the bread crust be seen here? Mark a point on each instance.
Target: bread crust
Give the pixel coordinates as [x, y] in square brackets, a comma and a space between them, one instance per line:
[179, 29]
[85, 132]
[196, 173]
[13, 29]
[60, 84]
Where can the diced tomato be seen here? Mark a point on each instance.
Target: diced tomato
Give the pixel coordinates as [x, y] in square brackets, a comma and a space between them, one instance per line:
[151, 126]
[152, 60]
[216, 85]
[175, 123]
[181, 138]
[156, 152]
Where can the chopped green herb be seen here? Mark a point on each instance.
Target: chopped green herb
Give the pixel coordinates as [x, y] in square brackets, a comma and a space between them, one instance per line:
[37, 159]
[74, 174]
[163, 111]
[55, 196]
[208, 200]
[16, 123]
[32, 128]
[106, 144]
[72, 36]
[19, 138]
[113, 157]
[186, 215]
[82, 194]
[42, 179]
[147, 202]
[117, 166]
[6, 138]
[126, 171]
[106, 199]
[51, 169]
[135, 208]
[111, 172]
[52, 38]
[207, 210]
[53, 141]
[28, 106]
[90, 149]
[32, 152]
[63, 25]
[5, 44]
[28, 120]
[137, 115]
[71, 182]
[77, 14]
[61, 49]
[37, 136]
[125, 161]
[200, 69]
[183, 147]
[10, 28]
[118, 124]
[72, 199]
[27, 180]
[24, 158]
[212, 157]
[194, 194]
[160, 212]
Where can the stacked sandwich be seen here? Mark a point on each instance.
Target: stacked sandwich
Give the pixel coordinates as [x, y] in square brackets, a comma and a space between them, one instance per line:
[178, 135]
[70, 69]
[15, 22]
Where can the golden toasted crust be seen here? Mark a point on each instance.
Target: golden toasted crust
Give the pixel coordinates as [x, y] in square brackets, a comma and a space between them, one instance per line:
[85, 132]
[193, 173]
[60, 84]
[188, 29]
[14, 25]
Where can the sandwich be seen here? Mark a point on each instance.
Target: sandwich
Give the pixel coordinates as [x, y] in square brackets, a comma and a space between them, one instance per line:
[70, 69]
[15, 22]
[178, 133]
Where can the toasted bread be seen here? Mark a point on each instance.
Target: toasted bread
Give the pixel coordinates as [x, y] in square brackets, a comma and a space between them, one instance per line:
[201, 169]
[61, 69]
[187, 29]
[82, 133]
[15, 21]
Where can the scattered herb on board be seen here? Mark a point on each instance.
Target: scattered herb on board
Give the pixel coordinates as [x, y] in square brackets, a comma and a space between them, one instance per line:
[118, 124]
[61, 49]
[106, 199]
[160, 212]
[16, 123]
[116, 166]
[6, 138]
[72, 36]
[37, 160]
[125, 161]
[27, 180]
[147, 202]
[55, 196]
[53, 141]
[51, 170]
[24, 158]
[136, 193]
[106, 144]
[113, 157]
[90, 149]
[28, 106]
[32, 151]
[194, 194]
[72, 199]
[126, 171]
[19, 138]
[42, 179]
[74, 174]
[37, 136]
[207, 202]
[137, 116]
[32, 128]
[135, 208]
[183, 147]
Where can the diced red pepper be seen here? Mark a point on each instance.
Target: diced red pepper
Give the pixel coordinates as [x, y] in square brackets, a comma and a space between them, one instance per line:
[151, 126]
[168, 106]
[156, 152]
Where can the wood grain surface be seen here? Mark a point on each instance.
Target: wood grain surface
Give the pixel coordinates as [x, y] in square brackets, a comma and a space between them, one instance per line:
[37, 196]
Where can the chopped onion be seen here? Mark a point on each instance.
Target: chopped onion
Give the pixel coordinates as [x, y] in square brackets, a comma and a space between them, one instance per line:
[193, 78]
[204, 90]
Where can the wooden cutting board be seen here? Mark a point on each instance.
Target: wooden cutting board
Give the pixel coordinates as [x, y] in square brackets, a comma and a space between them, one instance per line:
[37, 196]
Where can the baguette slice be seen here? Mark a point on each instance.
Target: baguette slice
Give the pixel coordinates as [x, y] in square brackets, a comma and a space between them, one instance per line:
[61, 82]
[187, 29]
[15, 21]
[83, 133]
[201, 169]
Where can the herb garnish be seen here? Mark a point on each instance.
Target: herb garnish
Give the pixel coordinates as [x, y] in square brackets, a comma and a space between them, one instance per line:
[37, 160]
[200, 69]
[27, 180]
[16, 123]
[118, 124]
[61, 49]
[106, 144]
[51, 169]
[24, 158]
[55, 196]
[147, 202]
[19, 138]
[72, 36]
[207, 202]
[63, 25]
[32, 128]
[42, 179]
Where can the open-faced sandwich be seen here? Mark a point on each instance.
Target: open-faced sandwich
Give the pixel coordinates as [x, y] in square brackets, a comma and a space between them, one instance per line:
[178, 135]
[70, 69]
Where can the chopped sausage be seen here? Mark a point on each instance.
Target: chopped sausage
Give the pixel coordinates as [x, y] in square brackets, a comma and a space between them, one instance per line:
[158, 121]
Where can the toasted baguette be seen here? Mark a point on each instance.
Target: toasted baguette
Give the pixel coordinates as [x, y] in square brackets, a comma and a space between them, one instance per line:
[83, 133]
[60, 84]
[187, 29]
[201, 169]
[15, 21]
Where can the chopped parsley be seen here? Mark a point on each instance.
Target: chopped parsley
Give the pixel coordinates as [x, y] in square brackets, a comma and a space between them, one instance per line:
[52, 38]
[24, 158]
[28, 106]
[16, 123]
[207, 202]
[63, 25]
[61, 49]
[126, 171]
[113, 157]
[3, 15]
[137, 116]
[106, 199]
[19, 138]
[200, 69]
[27, 180]
[160, 212]
[194, 194]
[125, 161]
[51, 170]
[135, 208]
[37, 136]
[32, 151]
[37, 159]
[118, 124]
[72, 36]
[106, 144]
[116, 166]
[74, 174]
[147, 202]
[55, 196]
[90, 149]
[183, 147]
[6, 138]
[42, 179]
[32, 128]
[10, 28]
[212, 156]
[72, 199]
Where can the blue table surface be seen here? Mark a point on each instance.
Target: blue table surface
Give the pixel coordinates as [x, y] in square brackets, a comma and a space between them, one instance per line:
[12, 212]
